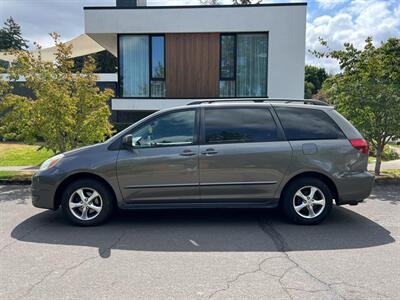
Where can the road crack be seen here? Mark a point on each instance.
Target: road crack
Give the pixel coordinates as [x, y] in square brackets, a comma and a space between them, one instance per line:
[229, 283]
[102, 253]
[283, 247]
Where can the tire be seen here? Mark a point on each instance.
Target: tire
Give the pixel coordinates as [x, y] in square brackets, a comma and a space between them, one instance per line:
[90, 211]
[310, 210]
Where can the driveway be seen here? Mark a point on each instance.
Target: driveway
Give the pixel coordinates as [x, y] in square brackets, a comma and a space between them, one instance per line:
[201, 254]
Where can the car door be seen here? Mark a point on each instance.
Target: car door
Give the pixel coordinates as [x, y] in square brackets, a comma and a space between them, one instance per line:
[163, 166]
[243, 155]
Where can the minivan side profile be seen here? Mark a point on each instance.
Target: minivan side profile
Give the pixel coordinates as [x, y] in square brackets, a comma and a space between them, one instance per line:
[302, 158]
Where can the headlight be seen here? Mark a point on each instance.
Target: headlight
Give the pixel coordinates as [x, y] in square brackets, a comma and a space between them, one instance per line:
[51, 162]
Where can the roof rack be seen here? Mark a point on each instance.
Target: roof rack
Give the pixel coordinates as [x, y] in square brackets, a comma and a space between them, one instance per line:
[260, 100]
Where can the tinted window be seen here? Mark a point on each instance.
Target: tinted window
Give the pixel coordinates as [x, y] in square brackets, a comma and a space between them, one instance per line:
[239, 125]
[176, 128]
[308, 124]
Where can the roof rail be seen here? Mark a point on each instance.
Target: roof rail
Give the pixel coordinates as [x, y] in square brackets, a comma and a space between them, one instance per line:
[260, 100]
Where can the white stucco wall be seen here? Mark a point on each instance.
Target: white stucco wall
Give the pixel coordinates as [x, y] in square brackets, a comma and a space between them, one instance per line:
[285, 24]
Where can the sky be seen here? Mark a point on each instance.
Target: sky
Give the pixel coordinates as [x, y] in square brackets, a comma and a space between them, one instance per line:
[337, 21]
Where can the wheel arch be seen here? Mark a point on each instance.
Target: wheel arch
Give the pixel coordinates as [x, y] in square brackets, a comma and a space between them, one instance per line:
[77, 176]
[317, 175]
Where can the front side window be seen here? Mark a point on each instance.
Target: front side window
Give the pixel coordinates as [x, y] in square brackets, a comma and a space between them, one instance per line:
[243, 65]
[308, 124]
[239, 125]
[172, 129]
[142, 67]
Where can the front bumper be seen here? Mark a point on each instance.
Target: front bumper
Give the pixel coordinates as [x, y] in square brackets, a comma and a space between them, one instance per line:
[354, 187]
[43, 189]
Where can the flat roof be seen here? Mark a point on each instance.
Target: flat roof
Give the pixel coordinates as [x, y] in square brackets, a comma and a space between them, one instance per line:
[197, 6]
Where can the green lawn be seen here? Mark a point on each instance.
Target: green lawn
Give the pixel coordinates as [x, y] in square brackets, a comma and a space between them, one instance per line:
[391, 172]
[13, 154]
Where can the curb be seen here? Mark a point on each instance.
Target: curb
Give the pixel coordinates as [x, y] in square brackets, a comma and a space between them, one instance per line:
[15, 182]
[387, 181]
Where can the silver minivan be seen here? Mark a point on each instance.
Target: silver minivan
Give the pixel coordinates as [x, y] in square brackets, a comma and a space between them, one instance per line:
[301, 156]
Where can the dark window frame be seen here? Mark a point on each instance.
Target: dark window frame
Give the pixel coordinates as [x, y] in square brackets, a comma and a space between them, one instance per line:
[202, 127]
[234, 78]
[151, 78]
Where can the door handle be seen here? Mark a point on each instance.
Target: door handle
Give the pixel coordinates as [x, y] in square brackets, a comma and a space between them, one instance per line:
[209, 151]
[187, 153]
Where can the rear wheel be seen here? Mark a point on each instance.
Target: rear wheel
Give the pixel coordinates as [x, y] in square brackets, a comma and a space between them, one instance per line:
[307, 201]
[87, 202]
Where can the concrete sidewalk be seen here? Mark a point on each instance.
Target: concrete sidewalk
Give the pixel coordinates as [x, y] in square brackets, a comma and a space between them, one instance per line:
[19, 168]
[386, 165]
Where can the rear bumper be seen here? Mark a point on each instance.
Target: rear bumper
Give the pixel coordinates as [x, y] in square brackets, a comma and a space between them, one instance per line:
[354, 187]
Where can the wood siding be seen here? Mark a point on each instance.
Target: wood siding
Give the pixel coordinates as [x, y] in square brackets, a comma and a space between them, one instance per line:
[192, 65]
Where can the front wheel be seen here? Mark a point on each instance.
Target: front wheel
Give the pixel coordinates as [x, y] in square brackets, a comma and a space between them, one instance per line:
[87, 202]
[307, 201]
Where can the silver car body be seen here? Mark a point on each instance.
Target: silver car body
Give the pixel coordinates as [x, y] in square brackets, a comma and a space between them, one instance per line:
[200, 175]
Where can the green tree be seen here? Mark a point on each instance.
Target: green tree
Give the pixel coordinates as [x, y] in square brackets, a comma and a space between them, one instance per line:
[367, 91]
[313, 80]
[11, 37]
[68, 111]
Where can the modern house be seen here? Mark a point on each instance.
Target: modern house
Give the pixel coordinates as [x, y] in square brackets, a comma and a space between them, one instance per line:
[171, 55]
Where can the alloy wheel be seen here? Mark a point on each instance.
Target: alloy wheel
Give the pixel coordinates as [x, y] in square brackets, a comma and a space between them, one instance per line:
[85, 203]
[309, 202]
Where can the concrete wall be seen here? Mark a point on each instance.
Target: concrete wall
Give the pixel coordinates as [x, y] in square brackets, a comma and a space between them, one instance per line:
[285, 24]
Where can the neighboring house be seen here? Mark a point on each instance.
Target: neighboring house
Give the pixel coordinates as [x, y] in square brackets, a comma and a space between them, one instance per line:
[172, 55]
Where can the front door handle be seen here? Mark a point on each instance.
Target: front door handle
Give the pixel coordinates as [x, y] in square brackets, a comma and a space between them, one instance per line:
[187, 152]
[209, 151]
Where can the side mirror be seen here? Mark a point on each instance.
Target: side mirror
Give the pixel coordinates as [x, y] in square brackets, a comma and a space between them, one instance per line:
[129, 141]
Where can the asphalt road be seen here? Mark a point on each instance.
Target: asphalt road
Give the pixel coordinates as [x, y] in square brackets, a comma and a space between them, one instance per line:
[201, 254]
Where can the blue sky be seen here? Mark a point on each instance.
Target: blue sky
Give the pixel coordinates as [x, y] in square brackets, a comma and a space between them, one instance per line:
[337, 21]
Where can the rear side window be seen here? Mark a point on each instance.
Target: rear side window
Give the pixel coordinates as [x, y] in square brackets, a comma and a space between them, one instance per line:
[239, 125]
[308, 124]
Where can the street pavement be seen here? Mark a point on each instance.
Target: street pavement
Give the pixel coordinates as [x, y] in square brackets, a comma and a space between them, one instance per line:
[201, 254]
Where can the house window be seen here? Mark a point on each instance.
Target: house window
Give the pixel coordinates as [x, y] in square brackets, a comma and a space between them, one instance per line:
[243, 65]
[142, 66]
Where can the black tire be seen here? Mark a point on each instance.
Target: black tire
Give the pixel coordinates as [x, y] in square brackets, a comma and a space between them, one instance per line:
[105, 201]
[304, 184]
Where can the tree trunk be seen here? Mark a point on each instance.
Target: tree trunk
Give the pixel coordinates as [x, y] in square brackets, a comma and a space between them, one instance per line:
[379, 150]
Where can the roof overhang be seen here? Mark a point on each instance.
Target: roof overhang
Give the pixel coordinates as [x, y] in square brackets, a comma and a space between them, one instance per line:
[81, 45]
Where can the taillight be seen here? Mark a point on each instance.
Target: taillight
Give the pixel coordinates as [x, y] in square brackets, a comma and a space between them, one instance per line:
[360, 144]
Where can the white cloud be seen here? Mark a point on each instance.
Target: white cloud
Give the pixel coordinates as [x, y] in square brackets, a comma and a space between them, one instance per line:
[362, 18]
[330, 3]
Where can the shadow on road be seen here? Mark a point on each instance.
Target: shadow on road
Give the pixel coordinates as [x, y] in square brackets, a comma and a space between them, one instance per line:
[206, 230]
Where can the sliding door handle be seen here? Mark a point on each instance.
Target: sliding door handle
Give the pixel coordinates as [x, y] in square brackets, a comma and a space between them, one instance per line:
[209, 151]
[187, 152]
